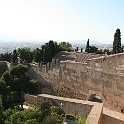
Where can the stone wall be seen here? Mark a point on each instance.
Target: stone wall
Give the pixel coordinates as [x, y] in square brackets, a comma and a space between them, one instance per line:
[94, 112]
[90, 110]
[70, 106]
[112, 117]
[102, 76]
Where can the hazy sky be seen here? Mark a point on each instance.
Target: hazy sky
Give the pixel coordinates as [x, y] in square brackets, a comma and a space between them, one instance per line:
[63, 20]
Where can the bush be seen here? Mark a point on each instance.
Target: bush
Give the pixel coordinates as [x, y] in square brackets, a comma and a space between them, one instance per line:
[32, 121]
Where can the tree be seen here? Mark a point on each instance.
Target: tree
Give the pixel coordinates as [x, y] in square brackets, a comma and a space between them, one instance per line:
[2, 87]
[93, 49]
[37, 55]
[19, 70]
[18, 82]
[87, 46]
[5, 57]
[65, 46]
[49, 50]
[1, 110]
[117, 42]
[25, 54]
[14, 56]
[16, 116]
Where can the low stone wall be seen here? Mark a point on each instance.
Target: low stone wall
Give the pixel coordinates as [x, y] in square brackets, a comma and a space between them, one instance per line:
[31, 99]
[90, 110]
[112, 117]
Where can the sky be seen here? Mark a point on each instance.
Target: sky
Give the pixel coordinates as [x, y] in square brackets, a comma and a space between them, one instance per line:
[61, 20]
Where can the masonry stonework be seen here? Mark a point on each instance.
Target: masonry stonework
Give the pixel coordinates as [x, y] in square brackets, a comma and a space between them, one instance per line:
[103, 76]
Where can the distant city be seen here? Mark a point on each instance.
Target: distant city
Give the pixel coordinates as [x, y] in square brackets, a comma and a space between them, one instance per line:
[10, 46]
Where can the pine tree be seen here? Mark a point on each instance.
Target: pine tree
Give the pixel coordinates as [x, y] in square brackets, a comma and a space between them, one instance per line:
[117, 42]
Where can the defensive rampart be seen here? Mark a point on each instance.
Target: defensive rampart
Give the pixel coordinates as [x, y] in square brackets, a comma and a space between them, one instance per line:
[102, 76]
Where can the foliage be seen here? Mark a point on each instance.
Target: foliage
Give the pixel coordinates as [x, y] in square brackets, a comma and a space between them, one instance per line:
[45, 108]
[5, 56]
[43, 54]
[87, 46]
[25, 54]
[19, 70]
[15, 55]
[1, 110]
[31, 121]
[37, 55]
[117, 42]
[7, 77]
[51, 120]
[79, 119]
[2, 87]
[7, 113]
[65, 46]
[17, 83]
[93, 49]
[16, 116]
[36, 116]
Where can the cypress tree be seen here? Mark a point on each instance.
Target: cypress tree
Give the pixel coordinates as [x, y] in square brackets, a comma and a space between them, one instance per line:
[87, 46]
[117, 42]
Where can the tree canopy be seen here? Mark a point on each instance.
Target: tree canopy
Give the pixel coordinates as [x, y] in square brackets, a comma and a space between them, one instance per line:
[16, 82]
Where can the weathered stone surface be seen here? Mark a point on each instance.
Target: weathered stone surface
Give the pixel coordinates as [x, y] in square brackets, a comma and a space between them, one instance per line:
[102, 75]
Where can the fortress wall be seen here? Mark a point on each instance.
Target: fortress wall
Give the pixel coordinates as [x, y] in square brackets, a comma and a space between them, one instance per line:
[113, 64]
[4, 65]
[78, 80]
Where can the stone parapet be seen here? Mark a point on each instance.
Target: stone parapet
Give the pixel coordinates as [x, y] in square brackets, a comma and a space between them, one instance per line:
[90, 110]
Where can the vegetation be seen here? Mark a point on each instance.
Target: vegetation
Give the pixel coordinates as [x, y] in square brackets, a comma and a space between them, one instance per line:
[93, 49]
[80, 120]
[65, 46]
[117, 42]
[87, 47]
[17, 116]
[43, 54]
[46, 52]
[14, 83]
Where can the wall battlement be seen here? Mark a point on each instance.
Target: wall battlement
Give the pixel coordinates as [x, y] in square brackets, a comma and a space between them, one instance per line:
[103, 76]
